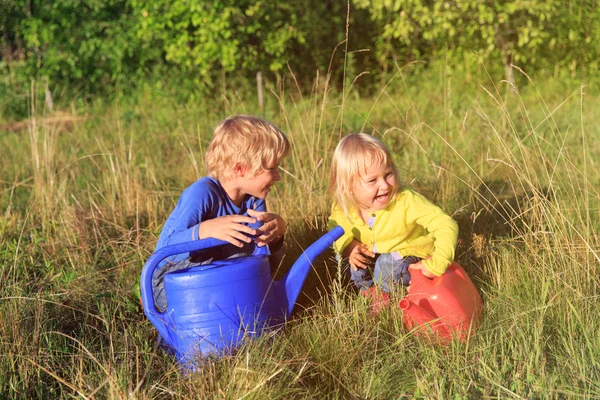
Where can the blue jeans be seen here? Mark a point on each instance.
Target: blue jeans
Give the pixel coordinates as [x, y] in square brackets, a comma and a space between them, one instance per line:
[390, 269]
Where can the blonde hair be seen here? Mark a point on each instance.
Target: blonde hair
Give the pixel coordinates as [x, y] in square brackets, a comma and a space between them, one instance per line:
[252, 142]
[352, 156]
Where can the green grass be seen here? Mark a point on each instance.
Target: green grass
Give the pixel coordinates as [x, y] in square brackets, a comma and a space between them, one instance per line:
[518, 171]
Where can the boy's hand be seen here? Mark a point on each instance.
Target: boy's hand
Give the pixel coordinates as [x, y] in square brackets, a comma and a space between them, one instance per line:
[229, 228]
[272, 229]
[359, 255]
[421, 267]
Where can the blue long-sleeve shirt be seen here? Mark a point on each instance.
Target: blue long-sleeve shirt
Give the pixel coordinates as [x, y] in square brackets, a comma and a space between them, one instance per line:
[205, 199]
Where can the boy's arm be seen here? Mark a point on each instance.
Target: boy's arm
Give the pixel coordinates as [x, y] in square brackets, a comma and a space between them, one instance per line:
[276, 246]
[443, 228]
[195, 204]
[272, 230]
[183, 225]
[229, 228]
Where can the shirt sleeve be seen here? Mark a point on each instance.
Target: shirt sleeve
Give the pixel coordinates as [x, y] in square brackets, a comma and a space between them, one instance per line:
[338, 218]
[443, 229]
[260, 205]
[194, 206]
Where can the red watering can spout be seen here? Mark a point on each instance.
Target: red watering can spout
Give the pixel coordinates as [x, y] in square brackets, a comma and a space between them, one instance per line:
[415, 316]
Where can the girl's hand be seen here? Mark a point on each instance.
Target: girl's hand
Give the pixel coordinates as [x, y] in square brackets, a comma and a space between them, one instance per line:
[421, 267]
[359, 255]
[229, 228]
[272, 229]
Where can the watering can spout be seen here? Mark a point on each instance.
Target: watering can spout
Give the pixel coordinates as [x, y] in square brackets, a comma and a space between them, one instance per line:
[415, 314]
[292, 282]
[417, 317]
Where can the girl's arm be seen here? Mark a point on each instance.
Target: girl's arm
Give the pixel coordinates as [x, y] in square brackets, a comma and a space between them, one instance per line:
[443, 229]
[358, 255]
[338, 218]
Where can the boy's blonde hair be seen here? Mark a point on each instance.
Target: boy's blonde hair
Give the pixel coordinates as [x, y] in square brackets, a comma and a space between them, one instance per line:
[252, 142]
[352, 156]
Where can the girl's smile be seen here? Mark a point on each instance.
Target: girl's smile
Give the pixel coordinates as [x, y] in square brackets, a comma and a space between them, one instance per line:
[375, 187]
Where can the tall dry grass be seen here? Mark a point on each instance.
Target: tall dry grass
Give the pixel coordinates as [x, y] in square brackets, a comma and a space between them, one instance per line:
[516, 167]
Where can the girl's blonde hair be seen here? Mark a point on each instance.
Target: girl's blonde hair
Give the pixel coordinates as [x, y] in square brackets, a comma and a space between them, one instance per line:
[252, 142]
[352, 156]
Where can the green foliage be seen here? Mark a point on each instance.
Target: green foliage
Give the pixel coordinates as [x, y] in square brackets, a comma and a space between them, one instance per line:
[88, 43]
[519, 30]
[190, 47]
[522, 32]
[576, 40]
[207, 41]
[204, 39]
[409, 27]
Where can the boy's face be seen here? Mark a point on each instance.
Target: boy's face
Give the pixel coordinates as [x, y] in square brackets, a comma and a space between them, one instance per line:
[374, 188]
[260, 184]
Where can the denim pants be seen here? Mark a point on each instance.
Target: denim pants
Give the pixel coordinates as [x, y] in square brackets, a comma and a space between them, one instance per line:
[390, 270]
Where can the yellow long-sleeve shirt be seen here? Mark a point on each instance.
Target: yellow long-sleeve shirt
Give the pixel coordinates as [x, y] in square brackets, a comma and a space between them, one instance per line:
[409, 225]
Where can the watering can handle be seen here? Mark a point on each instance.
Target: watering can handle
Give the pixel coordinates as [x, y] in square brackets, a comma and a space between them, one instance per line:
[157, 318]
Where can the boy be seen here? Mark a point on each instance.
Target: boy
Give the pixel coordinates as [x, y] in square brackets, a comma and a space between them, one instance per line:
[242, 164]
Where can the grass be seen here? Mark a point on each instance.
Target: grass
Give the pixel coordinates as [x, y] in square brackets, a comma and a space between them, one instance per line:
[83, 205]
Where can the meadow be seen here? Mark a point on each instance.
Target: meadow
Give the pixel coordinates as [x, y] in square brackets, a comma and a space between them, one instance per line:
[84, 193]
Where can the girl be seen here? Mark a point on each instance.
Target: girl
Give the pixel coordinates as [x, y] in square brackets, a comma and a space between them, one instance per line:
[385, 228]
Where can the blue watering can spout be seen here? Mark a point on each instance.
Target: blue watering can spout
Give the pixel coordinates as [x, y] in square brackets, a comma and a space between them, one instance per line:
[292, 282]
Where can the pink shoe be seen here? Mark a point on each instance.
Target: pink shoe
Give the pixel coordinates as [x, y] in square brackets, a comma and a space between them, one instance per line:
[379, 299]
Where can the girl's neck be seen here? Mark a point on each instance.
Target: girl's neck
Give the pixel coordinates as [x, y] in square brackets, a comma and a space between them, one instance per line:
[364, 214]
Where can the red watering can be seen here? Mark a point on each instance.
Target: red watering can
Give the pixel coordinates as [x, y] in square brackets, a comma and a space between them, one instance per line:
[446, 306]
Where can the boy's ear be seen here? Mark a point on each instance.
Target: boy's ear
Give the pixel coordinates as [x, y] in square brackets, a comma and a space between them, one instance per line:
[239, 170]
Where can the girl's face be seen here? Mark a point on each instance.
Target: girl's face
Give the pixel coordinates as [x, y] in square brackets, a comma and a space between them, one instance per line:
[374, 188]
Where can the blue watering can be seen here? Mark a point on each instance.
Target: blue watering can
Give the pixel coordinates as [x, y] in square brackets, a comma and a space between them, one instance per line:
[211, 308]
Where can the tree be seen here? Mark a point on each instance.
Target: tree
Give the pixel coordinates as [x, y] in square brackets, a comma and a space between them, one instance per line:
[205, 39]
[410, 29]
[84, 42]
[517, 31]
